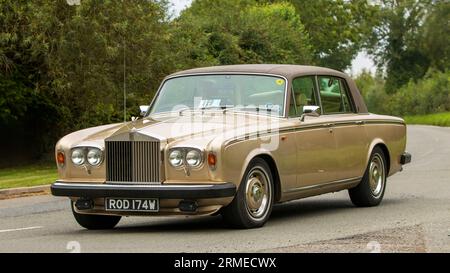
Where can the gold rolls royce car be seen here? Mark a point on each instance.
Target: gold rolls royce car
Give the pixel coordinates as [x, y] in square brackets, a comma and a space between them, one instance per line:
[232, 140]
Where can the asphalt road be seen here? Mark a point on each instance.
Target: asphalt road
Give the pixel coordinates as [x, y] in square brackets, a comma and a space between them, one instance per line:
[414, 217]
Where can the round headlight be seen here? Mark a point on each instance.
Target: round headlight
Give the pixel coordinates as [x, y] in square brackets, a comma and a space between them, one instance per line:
[194, 158]
[176, 158]
[94, 156]
[77, 156]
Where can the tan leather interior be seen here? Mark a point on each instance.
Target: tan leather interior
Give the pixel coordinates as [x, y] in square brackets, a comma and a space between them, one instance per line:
[304, 94]
[331, 102]
[274, 97]
[301, 100]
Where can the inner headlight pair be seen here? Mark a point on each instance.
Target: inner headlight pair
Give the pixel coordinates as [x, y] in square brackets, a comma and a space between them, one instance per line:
[192, 157]
[90, 154]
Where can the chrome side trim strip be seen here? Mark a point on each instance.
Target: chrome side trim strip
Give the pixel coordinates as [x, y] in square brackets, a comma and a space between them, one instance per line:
[324, 185]
[311, 126]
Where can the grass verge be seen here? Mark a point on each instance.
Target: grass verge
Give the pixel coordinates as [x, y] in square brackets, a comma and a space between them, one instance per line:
[27, 176]
[439, 119]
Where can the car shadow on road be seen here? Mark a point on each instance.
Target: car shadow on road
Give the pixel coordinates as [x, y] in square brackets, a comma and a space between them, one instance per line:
[309, 208]
[294, 209]
[299, 210]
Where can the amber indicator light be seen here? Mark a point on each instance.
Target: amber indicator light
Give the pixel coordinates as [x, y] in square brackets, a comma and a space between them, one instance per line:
[60, 158]
[212, 160]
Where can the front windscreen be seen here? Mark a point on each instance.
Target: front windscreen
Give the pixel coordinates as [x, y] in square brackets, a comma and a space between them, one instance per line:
[252, 93]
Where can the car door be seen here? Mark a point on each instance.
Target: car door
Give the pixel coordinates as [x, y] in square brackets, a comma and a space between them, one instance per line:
[348, 127]
[316, 146]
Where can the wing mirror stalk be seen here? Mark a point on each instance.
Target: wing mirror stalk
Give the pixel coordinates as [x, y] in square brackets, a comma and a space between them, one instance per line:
[311, 111]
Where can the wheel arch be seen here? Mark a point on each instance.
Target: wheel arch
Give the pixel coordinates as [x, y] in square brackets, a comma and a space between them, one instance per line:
[379, 143]
[269, 159]
[275, 175]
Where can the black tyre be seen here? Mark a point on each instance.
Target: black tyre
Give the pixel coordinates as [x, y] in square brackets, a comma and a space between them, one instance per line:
[252, 205]
[370, 190]
[94, 222]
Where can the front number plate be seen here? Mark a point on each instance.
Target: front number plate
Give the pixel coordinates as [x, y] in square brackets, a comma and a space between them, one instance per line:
[127, 204]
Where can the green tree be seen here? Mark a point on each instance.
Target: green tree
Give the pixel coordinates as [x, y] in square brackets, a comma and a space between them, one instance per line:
[273, 33]
[397, 41]
[62, 66]
[241, 31]
[27, 107]
[22, 60]
[436, 35]
[431, 94]
[97, 43]
[338, 29]
[372, 90]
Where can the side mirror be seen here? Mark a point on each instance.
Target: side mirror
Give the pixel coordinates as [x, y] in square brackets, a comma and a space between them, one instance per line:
[144, 109]
[310, 110]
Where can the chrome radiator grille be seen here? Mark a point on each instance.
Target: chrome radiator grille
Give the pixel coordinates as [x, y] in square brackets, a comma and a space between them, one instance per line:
[133, 161]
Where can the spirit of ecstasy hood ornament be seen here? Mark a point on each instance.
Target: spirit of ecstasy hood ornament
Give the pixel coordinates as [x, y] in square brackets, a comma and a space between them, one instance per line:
[133, 123]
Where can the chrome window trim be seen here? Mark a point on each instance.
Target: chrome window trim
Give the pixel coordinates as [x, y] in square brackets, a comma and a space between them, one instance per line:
[316, 95]
[346, 90]
[319, 98]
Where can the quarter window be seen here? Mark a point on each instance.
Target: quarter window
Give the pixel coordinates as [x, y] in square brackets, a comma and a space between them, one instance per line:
[334, 96]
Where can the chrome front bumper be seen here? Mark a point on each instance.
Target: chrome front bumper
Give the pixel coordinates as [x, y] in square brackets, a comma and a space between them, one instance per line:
[196, 191]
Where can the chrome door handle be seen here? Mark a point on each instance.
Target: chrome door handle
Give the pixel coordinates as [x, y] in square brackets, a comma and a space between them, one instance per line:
[360, 122]
[329, 126]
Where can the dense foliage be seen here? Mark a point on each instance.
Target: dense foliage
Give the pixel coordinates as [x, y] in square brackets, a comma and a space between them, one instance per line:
[411, 37]
[241, 31]
[64, 67]
[338, 29]
[431, 94]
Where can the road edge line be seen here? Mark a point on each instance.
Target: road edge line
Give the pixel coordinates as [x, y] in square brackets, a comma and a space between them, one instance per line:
[24, 191]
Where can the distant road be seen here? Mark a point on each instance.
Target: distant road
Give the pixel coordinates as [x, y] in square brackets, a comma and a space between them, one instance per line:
[414, 216]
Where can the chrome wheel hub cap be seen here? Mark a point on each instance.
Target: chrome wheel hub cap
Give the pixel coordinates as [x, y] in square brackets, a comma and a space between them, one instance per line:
[257, 193]
[377, 175]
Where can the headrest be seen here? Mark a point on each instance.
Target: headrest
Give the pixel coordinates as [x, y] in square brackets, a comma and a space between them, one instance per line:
[301, 99]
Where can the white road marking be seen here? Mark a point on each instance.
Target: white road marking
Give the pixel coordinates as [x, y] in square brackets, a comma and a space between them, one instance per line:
[20, 229]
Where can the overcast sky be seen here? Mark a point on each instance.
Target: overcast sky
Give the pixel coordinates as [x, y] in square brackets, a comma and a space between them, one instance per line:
[359, 63]
[179, 5]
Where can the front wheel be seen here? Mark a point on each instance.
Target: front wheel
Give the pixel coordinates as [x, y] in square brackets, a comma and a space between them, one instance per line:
[252, 205]
[94, 222]
[370, 190]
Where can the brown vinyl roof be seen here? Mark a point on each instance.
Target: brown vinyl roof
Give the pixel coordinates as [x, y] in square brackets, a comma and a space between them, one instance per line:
[286, 70]
[289, 71]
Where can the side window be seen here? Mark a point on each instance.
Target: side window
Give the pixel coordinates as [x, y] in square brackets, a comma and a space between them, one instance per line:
[334, 96]
[303, 93]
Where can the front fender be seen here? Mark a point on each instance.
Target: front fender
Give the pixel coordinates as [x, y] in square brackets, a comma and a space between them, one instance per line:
[251, 155]
[236, 157]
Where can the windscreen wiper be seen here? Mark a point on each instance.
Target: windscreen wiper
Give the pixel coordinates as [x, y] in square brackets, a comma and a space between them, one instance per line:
[222, 107]
[257, 108]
